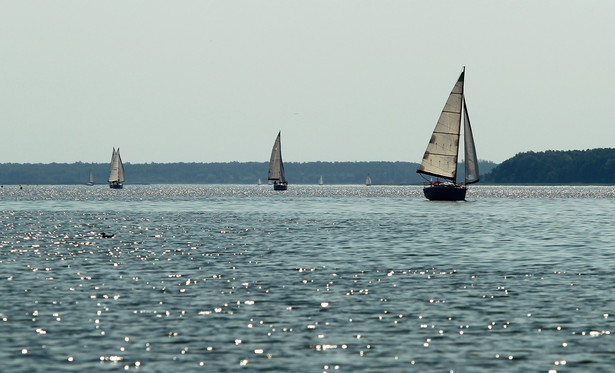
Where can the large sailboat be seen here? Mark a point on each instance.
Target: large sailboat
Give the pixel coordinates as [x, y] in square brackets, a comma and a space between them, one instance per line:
[276, 166]
[116, 171]
[440, 159]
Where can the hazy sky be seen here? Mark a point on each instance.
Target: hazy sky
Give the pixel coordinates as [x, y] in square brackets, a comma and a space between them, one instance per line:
[348, 80]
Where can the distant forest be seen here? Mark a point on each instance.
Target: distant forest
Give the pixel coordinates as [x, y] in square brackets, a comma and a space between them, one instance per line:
[593, 166]
[217, 173]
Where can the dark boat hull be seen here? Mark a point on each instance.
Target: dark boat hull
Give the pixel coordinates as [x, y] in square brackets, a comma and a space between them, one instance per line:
[280, 186]
[445, 192]
[116, 186]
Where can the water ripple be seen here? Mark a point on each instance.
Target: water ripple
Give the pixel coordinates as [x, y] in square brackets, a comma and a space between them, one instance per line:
[348, 278]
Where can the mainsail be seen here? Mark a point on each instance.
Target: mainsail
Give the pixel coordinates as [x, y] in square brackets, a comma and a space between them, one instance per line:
[276, 166]
[440, 158]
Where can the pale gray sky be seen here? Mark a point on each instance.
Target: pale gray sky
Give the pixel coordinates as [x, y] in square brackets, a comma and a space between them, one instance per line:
[347, 80]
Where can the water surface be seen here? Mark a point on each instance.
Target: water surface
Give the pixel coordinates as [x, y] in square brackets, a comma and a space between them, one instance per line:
[316, 279]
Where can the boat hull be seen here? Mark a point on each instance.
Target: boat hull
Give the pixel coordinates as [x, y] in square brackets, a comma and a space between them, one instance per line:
[445, 192]
[116, 186]
[280, 186]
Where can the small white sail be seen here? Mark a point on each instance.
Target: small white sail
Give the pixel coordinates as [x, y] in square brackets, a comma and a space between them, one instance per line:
[91, 178]
[320, 181]
[276, 166]
[368, 181]
[120, 167]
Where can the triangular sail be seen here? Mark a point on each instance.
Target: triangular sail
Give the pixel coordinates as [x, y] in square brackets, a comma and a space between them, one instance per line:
[471, 160]
[120, 167]
[91, 178]
[276, 166]
[116, 169]
[440, 158]
[113, 168]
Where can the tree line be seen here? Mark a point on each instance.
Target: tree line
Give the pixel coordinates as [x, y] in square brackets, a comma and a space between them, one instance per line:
[216, 173]
[592, 166]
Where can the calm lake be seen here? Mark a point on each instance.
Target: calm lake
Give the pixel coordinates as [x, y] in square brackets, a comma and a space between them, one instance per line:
[225, 278]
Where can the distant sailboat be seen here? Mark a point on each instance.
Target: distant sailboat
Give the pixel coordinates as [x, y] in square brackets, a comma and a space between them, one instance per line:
[116, 171]
[276, 166]
[259, 182]
[91, 178]
[368, 181]
[320, 181]
[440, 158]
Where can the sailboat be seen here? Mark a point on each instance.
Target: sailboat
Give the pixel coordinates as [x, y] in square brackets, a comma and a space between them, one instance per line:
[440, 159]
[320, 181]
[91, 178]
[116, 171]
[368, 181]
[276, 166]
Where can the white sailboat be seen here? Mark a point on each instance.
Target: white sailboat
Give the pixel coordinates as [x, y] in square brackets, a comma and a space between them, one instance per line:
[276, 166]
[320, 181]
[116, 171]
[440, 158]
[91, 178]
[368, 181]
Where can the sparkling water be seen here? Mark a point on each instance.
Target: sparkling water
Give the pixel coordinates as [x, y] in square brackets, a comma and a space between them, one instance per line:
[315, 279]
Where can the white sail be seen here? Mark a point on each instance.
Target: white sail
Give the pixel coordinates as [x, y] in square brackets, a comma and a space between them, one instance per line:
[113, 168]
[276, 166]
[120, 167]
[368, 180]
[320, 180]
[440, 158]
[91, 178]
[471, 160]
[116, 168]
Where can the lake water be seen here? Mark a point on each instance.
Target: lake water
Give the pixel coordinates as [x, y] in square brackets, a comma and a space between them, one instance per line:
[229, 278]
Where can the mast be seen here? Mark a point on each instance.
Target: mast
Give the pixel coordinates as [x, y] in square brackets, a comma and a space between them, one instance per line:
[463, 75]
